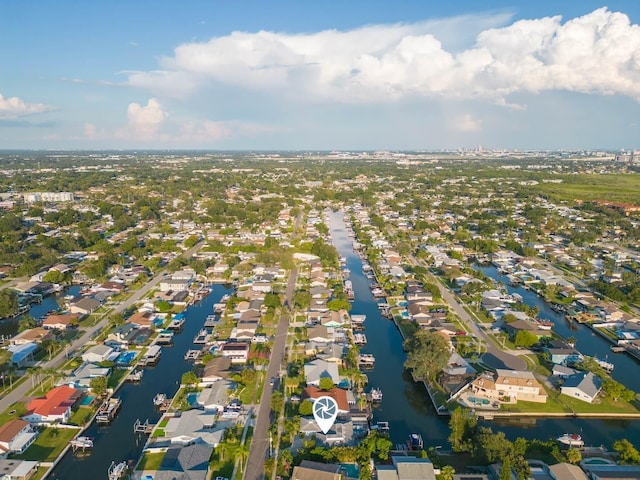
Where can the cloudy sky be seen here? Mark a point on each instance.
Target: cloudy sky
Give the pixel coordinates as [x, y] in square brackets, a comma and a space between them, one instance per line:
[330, 74]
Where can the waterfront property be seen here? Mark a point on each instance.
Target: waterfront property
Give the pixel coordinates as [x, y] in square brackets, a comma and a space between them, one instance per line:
[54, 407]
[509, 386]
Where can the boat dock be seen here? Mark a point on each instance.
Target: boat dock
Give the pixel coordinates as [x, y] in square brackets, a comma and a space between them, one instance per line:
[192, 354]
[108, 410]
[176, 324]
[201, 337]
[117, 470]
[145, 428]
[134, 376]
[359, 339]
[165, 337]
[366, 360]
[152, 355]
[211, 321]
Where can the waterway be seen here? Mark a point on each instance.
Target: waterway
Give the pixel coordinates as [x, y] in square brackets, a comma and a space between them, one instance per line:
[117, 441]
[9, 327]
[406, 404]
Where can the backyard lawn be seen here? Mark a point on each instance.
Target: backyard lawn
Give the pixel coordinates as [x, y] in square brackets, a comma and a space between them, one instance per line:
[49, 445]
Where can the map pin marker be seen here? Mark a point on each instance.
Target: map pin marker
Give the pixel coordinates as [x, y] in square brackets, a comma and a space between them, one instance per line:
[325, 411]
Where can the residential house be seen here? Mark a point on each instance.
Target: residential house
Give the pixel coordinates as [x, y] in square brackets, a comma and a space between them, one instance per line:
[22, 354]
[308, 470]
[510, 386]
[61, 322]
[54, 407]
[215, 397]
[406, 468]
[514, 327]
[195, 426]
[174, 285]
[32, 335]
[189, 462]
[238, 352]
[567, 471]
[561, 353]
[584, 386]
[142, 319]
[16, 436]
[13, 469]
[216, 369]
[320, 334]
[338, 394]
[318, 369]
[81, 376]
[84, 306]
[97, 353]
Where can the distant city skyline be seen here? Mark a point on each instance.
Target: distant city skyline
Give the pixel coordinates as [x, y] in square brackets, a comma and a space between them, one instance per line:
[286, 75]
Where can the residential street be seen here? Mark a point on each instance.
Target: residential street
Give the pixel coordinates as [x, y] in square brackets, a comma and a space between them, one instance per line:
[18, 393]
[260, 440]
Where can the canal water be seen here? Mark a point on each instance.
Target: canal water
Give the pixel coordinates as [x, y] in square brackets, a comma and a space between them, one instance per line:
[406, 405]
[9, 327]
[117, 441]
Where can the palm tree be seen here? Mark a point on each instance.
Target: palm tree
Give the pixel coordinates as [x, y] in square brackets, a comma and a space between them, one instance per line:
[242, 453]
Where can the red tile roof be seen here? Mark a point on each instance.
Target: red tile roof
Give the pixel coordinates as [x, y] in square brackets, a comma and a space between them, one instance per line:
[57, 401]
[338, 394]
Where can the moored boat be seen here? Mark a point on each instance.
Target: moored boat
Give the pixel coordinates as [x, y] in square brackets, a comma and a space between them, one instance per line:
[571, 440]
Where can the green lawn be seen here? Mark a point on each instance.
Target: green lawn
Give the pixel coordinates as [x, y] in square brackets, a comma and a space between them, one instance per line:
[564, 404]
[150, 461]
[49, 445]
[18, 410]
[116, 377]
[81, 416]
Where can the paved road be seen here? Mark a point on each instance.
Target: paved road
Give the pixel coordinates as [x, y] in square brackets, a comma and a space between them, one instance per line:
[494, 357]
[260, 440]
[19, 393]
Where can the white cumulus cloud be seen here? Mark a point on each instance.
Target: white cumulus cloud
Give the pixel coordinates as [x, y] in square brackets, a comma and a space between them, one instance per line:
[144, 121]
[598, 53]
[14, 107]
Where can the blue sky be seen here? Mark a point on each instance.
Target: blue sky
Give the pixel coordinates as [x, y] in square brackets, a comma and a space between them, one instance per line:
[345, 75]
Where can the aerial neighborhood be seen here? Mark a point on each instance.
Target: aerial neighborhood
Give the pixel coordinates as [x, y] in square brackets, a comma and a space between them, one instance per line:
[432, 296]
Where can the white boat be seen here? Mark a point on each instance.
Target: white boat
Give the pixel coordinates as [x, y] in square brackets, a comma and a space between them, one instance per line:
[159, 399]
[571, 440]
[376, 395]
[81, 443]
[117, 470]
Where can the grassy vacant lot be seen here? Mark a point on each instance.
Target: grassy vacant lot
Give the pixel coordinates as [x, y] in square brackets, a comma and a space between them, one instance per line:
[613, 187]
[564, 404]
[49, 445]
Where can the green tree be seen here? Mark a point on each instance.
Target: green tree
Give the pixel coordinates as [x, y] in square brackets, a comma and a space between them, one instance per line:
[505, 469]
[98, 385]
[574, 456]
[427, 354]
[525, 338]
[305, 408]
[326, 384]
[277, 401]
[26, 322]
[8, 303]
[447, 472]
[627, 453]
[616, 391]
[462, 423]
[189, 378]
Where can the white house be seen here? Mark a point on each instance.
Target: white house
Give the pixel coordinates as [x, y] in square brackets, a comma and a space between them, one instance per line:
[97, 354]
[16, 436]
[583, 386]
[216, 397]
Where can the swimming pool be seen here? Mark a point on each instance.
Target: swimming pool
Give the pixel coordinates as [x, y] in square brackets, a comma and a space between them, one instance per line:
[87, 400]
[478, 401]
[126, 358]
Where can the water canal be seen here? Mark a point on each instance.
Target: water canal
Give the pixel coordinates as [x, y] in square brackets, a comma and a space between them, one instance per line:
[117, 441]
[406, 405]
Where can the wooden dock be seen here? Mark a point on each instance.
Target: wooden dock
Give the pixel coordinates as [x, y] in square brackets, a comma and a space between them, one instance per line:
[145, 428]
[108, 410]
